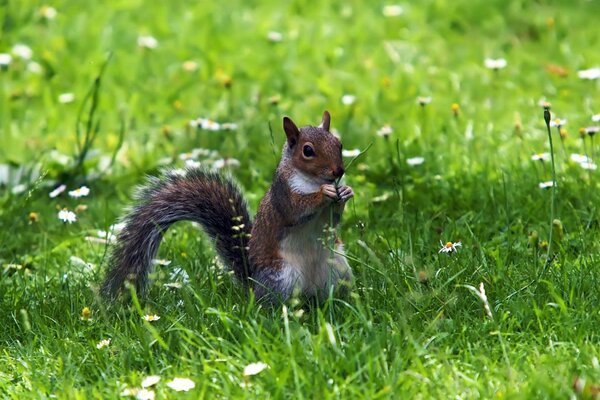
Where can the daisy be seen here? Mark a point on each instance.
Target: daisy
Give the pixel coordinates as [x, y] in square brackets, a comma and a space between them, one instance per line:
[226, 162]
[423, 100]
[591, 130]
[147, 42]
[145, 394]
[81, 192]
[151, 318]
[65, 98]
[348, 99]
[495, 63]
[545, 185]
[160, 261]
[557, 122]
[541, 157]
[588, 165]
[592, 73]
[273, 36]
[34, 68]
[181, 384]
[596, 117]
[5, 59]
[22, 51]
[449, 247]
[150, 381]
[580, 158]
[193, 164]
[350, 153]
[255, 368]
[67, 216]
[228, 126]
[103, 343]
[415, 161]
[385, 131]
[48, 12]
[392, 10]
[190, 66]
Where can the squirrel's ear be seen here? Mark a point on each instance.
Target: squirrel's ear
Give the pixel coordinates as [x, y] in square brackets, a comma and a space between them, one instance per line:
[291, 131]
[325, 121]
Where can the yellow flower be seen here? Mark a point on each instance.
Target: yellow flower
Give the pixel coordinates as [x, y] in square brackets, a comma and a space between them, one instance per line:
[85, 313]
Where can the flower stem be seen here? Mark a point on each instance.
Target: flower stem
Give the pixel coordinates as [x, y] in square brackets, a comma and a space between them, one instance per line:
[552, 202]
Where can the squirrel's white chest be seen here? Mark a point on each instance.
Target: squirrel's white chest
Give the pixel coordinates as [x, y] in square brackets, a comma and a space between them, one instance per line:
[306, 254]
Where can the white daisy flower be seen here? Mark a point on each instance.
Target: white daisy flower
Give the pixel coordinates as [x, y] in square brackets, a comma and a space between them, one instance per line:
[108, 236]
[65, 98]
[5, 59]
[588, 165]
[48, 12]
[147, 42]
[495, 63]
[545, 185]
[348, 99]
[423, 100]
[150, 381]
[541, 157]
[22, 51]
[81, 192]
[78, 262]
[591, 130]
[34, 67]
[273, 36]
[225, 162]
[193, 164]
[151, 318]
[392, 10]
[350, 153]
[57, 191]
[557, 122]
[449, 247]
[103, 343]
[190, 66]
[385, 131]
[591, 74]
[181, 384]
[415, 161]
[145, 394]
[160, 261]
[580, 158]
[255, 368]
[67, 216]
[228, 126]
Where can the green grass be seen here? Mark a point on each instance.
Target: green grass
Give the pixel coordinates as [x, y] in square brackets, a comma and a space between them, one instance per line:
[411, 328]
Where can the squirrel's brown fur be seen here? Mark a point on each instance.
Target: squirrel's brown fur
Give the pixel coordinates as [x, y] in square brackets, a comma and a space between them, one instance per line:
[283, 251]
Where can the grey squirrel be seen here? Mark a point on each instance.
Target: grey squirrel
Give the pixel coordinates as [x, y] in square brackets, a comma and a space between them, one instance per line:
[282, 253]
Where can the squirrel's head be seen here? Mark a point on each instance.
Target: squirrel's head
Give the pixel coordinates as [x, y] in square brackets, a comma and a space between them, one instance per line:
[314, 150]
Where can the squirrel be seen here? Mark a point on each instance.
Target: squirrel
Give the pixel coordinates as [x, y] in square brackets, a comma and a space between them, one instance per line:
[282, 253]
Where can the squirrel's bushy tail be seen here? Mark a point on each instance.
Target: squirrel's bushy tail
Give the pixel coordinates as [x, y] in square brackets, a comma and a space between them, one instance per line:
[196, 195]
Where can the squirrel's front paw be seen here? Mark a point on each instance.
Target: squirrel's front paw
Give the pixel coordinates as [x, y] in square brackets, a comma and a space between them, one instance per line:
[345, 193]
[329, 192]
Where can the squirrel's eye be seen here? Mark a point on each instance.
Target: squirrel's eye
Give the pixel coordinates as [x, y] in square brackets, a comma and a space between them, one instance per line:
[308, 151]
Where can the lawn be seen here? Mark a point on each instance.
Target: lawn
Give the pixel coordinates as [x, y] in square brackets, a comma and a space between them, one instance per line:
[453, 148]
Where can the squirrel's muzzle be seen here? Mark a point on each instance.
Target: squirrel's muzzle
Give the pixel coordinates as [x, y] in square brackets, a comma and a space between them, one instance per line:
[338, 172]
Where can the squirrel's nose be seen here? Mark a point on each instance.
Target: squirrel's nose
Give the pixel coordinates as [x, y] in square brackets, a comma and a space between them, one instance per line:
[338, 172]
